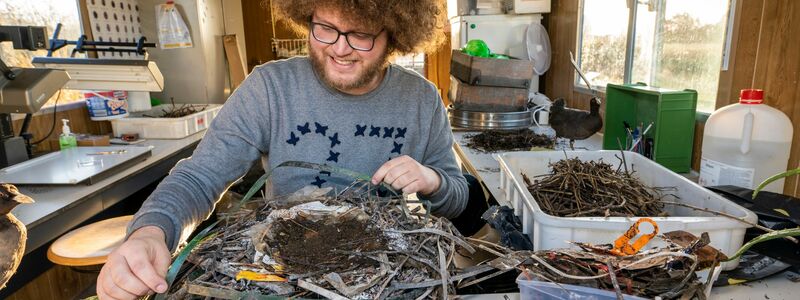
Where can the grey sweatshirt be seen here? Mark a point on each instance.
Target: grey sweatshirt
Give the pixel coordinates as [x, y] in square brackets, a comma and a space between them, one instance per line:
[283, 112]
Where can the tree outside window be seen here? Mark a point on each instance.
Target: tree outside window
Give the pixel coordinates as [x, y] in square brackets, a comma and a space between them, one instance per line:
[45, 13]
[677, 44]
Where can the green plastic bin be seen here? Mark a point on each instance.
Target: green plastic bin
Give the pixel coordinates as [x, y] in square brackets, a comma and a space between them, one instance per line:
[672, 113]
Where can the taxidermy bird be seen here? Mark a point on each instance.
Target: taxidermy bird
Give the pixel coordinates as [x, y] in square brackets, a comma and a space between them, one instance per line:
[12, 232]
[575, 124]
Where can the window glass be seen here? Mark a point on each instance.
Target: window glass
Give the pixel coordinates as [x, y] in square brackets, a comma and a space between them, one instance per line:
[46, 13]
[678, 44]
[602, 47]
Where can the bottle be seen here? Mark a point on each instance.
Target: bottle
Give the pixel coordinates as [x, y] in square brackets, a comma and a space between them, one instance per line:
[745, 143]
[67, 139]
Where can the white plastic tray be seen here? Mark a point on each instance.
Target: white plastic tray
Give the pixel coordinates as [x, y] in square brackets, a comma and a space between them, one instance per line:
[551, 232]
[166, 128]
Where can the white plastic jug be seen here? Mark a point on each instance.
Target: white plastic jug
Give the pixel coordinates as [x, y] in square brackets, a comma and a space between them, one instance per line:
[745, 143]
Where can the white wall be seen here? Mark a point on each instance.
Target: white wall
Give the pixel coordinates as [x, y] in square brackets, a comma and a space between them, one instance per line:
[198, 74]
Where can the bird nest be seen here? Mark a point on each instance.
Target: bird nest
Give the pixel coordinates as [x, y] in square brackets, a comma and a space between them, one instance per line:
[311, 244]
[509, 140]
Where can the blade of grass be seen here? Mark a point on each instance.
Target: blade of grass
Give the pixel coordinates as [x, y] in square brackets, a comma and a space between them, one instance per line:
[182, 255]
[763, 238]
[769, 180]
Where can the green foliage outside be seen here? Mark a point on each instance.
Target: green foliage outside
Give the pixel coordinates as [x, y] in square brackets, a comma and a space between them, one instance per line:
[41, 13]
[691, 55]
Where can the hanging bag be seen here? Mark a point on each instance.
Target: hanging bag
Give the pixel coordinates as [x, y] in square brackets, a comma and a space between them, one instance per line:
[172, 30]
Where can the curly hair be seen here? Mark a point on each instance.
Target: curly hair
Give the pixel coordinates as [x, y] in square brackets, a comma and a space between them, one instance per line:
[413, 25]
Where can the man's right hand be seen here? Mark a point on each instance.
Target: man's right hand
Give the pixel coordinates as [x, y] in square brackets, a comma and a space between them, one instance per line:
[137, 267]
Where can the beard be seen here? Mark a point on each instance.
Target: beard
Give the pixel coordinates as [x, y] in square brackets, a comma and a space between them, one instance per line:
[365, 76]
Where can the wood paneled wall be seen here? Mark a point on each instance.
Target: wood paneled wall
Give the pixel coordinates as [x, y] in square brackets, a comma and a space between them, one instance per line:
[562, 26]
[79, 122]
[58, 282]
[437, 68]
[258, 32]
[765, 55]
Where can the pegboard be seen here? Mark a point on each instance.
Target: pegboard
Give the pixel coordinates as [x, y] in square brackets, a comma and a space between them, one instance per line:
[115, 21]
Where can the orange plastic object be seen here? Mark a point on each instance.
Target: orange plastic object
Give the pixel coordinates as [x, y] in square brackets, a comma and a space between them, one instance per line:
[255, 276]
[622, 246]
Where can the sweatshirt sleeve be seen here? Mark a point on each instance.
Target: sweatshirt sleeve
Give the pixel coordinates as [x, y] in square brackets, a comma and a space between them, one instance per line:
[237, 138]
[451, 198]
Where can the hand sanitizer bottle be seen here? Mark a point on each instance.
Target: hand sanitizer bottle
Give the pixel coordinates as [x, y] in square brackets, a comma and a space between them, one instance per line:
[67, 139]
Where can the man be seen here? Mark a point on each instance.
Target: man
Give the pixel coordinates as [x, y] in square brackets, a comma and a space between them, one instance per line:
[344, 105]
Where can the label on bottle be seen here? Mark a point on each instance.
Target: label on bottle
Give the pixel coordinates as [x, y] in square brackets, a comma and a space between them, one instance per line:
[714, 173]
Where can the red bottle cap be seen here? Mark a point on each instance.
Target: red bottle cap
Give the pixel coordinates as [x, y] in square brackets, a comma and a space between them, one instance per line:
[751, 96]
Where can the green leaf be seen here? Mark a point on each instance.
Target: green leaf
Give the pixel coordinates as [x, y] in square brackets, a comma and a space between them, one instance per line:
[773, 178]
[178, 262]
[763, 238]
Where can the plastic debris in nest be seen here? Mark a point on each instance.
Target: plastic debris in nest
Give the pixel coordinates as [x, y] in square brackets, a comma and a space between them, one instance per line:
[667, 272]
[348, 246]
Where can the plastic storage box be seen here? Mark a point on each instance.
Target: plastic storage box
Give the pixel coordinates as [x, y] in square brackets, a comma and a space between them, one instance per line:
[166, 128]
[551, 232]
[540, 290]
[672, 113]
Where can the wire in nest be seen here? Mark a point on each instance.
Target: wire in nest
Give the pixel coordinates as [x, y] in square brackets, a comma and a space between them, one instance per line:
[52, 127]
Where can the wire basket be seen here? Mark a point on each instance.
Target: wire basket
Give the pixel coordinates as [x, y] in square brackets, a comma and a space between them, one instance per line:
[285, 48]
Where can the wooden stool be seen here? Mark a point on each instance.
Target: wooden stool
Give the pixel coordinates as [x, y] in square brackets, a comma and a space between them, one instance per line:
[90, 244]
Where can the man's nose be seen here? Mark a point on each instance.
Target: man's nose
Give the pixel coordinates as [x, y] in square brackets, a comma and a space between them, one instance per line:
[341, 47]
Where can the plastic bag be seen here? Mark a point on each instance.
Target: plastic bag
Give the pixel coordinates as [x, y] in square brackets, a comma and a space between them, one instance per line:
[172, 30]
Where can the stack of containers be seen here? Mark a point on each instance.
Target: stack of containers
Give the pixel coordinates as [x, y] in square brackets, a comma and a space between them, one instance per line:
[489, 84]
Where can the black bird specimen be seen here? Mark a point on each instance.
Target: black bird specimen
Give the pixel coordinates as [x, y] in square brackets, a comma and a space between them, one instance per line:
[575, 124]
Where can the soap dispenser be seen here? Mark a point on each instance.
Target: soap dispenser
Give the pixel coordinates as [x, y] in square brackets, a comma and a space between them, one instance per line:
[67, 139]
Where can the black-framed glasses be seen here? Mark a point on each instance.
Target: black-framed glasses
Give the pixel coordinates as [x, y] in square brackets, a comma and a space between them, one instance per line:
[357, 40]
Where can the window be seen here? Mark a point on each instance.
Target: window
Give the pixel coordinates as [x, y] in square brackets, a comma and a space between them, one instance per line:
[46, 13]
[414, 62]
[676, 44]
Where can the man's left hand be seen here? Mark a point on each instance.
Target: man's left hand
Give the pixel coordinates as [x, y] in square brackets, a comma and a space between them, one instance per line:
[405, 174]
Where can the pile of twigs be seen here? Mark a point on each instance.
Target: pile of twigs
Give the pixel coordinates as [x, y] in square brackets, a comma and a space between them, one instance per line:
[392, 251]
[177, 112]
[665, 272]
[184, 110]
[508, 140]
[578, 188]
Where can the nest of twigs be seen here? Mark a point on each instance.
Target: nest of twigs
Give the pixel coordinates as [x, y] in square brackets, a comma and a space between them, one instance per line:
[352, 245]
[665, 272]
[576, 188]
[508, 140]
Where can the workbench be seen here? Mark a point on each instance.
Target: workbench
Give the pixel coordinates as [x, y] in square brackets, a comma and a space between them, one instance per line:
[486, 169]
[59, 208]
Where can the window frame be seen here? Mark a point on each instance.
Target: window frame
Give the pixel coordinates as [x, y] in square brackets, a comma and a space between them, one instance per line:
[82, 8]
[630, 45]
